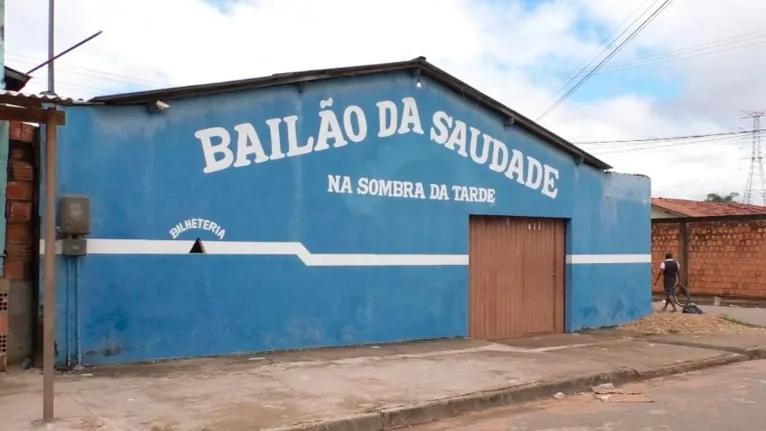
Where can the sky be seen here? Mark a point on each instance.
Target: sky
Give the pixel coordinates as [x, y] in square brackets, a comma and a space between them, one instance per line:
[692, 71]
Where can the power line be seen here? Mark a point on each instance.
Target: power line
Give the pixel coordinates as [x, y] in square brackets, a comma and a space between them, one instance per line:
[665, 145]
[693, 51]
[93, 73]
[708, 158]
[699, 50]
[666, 138]
[614, 52]
[617, 49]
[614, 40]
[712, 47]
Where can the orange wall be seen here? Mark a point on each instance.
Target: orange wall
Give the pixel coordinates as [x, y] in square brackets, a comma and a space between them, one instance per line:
[726, 258]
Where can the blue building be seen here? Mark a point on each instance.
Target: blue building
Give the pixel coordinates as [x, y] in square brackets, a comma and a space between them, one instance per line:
[359, 205]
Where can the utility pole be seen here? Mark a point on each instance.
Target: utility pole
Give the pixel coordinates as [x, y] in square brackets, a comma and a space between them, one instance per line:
[51, 47]
[755, 189]
[49, 298]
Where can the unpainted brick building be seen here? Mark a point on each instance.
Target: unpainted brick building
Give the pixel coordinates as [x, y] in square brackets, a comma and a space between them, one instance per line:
[18, 298]
[721, 247]
[17, 289]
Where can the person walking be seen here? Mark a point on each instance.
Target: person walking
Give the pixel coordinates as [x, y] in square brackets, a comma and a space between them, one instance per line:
[669, 270]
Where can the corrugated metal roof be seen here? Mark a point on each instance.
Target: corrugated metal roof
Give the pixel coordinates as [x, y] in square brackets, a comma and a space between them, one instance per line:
[23, 99]
[417, 66]
[689, 208]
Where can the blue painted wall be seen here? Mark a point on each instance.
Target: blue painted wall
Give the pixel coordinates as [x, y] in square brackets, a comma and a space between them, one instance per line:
[144, 173]
[611, 217]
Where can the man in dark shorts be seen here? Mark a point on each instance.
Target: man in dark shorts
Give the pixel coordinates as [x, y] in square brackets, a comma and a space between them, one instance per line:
[669, 270]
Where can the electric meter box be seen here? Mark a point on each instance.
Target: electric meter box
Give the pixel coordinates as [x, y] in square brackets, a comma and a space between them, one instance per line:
[75, 215]
[74, 246]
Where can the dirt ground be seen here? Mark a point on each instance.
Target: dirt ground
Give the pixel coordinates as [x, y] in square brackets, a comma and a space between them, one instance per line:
[678, 323]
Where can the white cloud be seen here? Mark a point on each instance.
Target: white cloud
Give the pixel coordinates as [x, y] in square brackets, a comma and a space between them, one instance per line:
[501, 48]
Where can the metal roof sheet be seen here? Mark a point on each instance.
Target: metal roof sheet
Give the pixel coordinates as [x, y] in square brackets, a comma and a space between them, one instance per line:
[35, 100]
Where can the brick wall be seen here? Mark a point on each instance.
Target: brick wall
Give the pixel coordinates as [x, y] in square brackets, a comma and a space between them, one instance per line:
[726, 258]
[665, 238]
[16, 287]
[18, 207]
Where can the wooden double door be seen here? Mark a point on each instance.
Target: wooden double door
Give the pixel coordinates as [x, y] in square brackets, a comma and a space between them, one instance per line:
[516, 277]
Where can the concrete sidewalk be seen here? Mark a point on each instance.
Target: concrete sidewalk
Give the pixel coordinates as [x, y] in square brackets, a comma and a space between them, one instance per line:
[366, 388]
[751, 316]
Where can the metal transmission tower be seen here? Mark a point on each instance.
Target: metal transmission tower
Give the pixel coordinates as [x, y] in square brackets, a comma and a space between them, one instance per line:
[756, 178]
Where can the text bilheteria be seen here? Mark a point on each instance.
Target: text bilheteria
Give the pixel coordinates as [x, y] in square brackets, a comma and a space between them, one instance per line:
[195, 224]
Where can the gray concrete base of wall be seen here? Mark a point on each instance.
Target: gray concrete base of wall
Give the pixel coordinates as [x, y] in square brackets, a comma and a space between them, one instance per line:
[725, 300]
[21, 319]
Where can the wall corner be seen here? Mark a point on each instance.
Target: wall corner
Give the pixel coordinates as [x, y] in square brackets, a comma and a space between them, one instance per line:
[4, 140]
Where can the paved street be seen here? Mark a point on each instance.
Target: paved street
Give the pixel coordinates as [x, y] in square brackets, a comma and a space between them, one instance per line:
[726, 398]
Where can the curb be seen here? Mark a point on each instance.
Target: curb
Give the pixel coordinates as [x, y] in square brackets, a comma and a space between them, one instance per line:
[398, 417]
[751, 352]
[686, 367]
[755, 353]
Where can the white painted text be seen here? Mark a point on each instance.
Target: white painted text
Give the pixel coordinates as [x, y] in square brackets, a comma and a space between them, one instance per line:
[278, 138]
[408, 189]
[198, 223]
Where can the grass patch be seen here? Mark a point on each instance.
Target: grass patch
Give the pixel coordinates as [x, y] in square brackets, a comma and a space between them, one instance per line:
[735, 321]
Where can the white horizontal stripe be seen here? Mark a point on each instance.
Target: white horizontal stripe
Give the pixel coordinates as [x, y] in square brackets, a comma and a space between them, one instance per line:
[243, 248]
[584, 259]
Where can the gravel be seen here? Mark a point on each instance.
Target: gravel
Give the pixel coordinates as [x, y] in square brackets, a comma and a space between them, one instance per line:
[680, 323]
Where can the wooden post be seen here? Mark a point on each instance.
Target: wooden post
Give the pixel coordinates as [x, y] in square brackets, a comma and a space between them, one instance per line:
[49, 304]
[683, 251]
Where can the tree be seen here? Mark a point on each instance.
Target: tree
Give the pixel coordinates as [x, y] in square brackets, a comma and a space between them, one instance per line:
[715, 197]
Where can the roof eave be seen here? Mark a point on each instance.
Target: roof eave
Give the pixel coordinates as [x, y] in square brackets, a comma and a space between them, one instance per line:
[15, 80]
[251, 83]
[667, 210]
[709, 218]
[477, 96]
[418, 64]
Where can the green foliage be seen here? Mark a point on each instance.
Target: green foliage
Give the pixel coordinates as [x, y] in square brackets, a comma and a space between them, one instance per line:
[715, 197]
